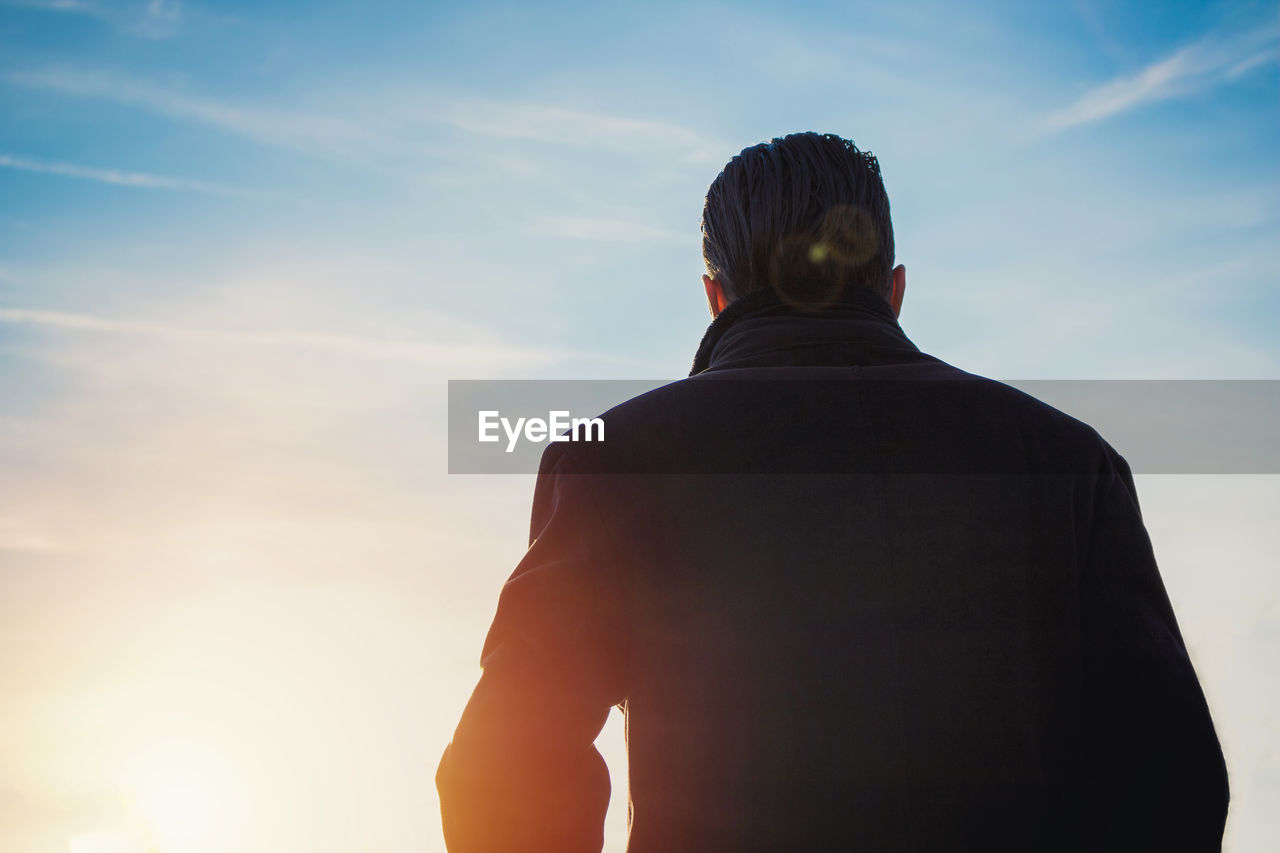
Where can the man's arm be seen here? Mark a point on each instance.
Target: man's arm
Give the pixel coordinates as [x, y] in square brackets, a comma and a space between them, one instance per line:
[1155, 778]
[521, 772]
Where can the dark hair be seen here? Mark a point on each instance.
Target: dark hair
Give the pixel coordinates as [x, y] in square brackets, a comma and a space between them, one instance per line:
[804, 214]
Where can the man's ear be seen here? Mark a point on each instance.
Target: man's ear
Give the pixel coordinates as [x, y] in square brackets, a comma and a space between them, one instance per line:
[717, 299]
[899, 288]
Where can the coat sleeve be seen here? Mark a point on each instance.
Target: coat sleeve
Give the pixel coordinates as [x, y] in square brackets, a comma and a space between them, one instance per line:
[1155, 775]
[521, 772]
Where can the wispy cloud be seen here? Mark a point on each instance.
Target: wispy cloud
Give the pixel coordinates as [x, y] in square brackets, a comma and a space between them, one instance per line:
[1201, 65]
[324, 135]
[83, 7]
[482, 350]
[393, 136]
[609, 230]
[118, 177]
[160, 20]
[575, 128]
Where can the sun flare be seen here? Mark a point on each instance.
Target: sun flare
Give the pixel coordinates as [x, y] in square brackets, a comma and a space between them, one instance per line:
[189, 798]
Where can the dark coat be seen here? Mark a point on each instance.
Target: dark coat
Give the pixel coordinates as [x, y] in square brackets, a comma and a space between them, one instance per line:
[849, 598]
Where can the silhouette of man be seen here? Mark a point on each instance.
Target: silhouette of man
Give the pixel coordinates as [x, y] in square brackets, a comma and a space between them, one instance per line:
[848, 597]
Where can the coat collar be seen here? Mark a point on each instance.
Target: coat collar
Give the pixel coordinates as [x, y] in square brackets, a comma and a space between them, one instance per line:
[765, 328]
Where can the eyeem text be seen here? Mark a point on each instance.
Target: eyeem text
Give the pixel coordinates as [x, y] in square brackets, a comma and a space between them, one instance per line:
[558, 426]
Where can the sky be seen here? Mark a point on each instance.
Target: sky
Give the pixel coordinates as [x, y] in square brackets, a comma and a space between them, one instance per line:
[243, 247]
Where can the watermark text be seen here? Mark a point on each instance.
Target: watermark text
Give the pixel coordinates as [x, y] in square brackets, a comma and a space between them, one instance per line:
[557, 426]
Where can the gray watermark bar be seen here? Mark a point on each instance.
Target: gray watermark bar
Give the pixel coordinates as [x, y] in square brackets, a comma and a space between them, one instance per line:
[1183, 426]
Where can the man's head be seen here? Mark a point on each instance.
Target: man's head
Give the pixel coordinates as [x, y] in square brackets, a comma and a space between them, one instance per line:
[806, 215]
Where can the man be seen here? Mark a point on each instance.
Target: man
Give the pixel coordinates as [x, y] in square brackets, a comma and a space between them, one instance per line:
[848, 596]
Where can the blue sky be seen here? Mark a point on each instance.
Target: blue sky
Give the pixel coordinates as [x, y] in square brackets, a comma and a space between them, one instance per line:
[1049, 151]
[244, 245]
